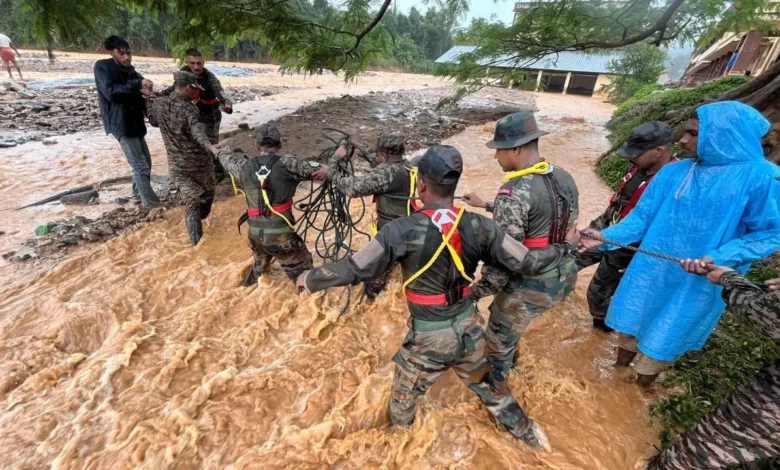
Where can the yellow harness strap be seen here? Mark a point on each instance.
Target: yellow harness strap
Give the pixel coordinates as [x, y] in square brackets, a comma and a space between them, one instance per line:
[455, 257]
[235, 188]
[412, 189]
[268, 203]
[539, 168]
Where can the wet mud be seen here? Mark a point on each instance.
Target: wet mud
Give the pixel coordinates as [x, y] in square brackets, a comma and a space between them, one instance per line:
[143, 352]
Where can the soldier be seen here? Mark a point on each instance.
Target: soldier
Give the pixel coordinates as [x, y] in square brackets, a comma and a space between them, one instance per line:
[648, 150]
[746, 426]
[190, 165]
[391, 183]
[270, 181]
[536, 205]
[444, 330]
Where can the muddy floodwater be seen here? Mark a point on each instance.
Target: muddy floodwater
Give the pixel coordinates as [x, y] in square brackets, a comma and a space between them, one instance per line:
[143, 352]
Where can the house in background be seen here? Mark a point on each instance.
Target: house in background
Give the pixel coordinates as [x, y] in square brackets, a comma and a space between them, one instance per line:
[574, 73]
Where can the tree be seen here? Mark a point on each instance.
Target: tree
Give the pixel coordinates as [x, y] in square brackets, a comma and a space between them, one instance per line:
[640, 65]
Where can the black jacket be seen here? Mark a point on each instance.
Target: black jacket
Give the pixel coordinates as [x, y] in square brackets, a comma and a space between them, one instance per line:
[122, 106]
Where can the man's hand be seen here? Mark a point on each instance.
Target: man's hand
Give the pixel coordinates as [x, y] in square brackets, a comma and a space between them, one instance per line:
[341, 152]
[573, 235]
[321, 174]
[473, 200]
[299, 282]
[227, 107]
[591, 239]
[214, 148]
[773, 284]
[715, 273]
[697, 266]
[147, 87]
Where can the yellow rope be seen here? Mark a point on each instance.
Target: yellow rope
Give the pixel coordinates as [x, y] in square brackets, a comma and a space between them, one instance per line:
[539, 168]
[235, 188]
[412, 189]
[270, 207]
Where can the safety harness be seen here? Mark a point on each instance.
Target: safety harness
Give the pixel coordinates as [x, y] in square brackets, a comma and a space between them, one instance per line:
[265, 208]
[411, 204]
[634, 197]
[200, 100]
[561, 204]
[446, 220]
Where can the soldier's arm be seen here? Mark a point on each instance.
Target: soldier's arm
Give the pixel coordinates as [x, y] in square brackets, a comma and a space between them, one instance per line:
[196, 128]
[216, 85]
[601, 222]
[761, 309]
[233, 164]
[167, 91]
[301, 169]
[492, 281]
[151, 113]
[374, 259]
[374, 182]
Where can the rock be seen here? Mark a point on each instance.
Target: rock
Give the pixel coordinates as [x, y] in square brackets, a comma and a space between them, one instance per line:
[84, 197]
[55, 109]
[121, 201]
[92, 237]
[156, 213]
[8, 254]
[12, 85]
[4, 144]
[243, 126]
[2, 233]
[63, 228]
[70, 240]
[45, 228]
[105, 228]
[24, 253]
[49, 141]
[80, 221]
[25, 95]
[8, 110]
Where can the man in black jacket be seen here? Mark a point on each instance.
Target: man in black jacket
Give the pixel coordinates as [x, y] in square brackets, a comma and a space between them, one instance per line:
[121, 93]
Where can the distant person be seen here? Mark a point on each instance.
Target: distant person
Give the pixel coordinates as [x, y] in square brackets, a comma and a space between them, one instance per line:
[445, 330]
[390, 181]
[121, 92]
[745, 427]
[536, 204]
[719, 206]
[7, 50]
[190, 161]
[270, 181]
[648, 150]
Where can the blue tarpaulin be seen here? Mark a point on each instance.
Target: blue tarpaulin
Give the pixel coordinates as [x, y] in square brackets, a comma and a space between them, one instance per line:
[724, 204]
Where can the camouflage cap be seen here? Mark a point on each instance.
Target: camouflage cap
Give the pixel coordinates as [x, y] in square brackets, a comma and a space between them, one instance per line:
[393, 144]
[646, 137]
[515, 130]
[268, 135]
[182, 79]
[441, 163]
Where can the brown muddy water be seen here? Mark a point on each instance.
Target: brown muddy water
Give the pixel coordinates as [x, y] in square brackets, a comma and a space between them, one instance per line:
[144, 353]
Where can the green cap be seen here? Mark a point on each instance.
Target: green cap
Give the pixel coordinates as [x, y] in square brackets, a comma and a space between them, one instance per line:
[515, 130]
[441, 163]
[268, 135]
[182, 78]
[393, 144]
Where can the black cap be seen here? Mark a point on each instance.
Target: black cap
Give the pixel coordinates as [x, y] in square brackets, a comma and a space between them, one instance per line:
[515, 130]
[442, 164]
[182, 78]
[394, 144]
[268, 135]
[646, 137]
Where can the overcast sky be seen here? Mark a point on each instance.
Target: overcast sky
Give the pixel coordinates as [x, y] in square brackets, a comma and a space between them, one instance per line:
[478, 9]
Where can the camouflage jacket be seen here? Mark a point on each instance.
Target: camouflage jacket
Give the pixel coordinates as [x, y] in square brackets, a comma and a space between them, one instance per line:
[185, 139]
[389, 182]
[212, 89]
[523, 209]
[760, 308]
[281, 185]
[404, 241]
[620, 200]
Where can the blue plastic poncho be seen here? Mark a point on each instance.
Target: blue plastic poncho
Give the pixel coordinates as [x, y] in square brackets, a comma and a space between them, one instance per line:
[723, 205]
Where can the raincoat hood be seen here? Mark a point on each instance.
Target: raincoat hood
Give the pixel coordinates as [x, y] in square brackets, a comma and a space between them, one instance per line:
[730, 132]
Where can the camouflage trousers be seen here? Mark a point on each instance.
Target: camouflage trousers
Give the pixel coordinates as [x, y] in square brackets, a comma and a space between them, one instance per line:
[211, 118]
[288, 248]
[744, 428]
[513, 309]
[196, 192]
[427, 354]
[612, 265]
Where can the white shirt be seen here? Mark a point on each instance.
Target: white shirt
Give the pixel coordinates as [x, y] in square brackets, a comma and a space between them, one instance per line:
[5, 41]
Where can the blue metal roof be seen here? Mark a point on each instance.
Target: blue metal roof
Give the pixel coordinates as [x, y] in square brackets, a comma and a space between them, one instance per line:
[561, 62]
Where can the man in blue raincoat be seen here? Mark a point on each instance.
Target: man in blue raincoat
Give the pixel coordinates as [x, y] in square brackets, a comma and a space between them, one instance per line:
[719, 206]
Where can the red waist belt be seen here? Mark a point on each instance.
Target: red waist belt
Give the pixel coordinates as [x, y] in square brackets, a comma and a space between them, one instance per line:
[433, 299]
[540, 242]
[214, 101]
[255, 211]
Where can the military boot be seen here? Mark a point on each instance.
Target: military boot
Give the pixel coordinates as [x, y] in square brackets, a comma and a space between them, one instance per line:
[646, 380]
[532, 434]
[251, 277]
[624, 357]
[194, 228]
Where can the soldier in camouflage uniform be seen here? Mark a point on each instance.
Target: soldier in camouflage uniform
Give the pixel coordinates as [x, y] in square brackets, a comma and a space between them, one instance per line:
[190, 161]
[648, 150]
[746, 426]
[536, 205]
[444, 330]
[389, 182]
[270, 181]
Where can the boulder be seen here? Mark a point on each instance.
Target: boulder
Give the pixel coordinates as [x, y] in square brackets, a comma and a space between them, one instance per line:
[85, 197]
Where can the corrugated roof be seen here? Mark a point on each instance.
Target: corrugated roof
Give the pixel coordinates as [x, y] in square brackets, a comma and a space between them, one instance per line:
[561, 62]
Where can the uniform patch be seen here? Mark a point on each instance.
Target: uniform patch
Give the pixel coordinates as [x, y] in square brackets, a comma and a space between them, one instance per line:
[505, 192]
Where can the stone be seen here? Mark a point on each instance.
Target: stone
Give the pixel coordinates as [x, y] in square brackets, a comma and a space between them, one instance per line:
[4, 144]
[8, 110]
[121, 201]
[80, 221]
[243, 126]
[84, 197]
[105, 228]
[69, 241]
[24, 253]
[55, 109]
[25, 95]
[62, 228]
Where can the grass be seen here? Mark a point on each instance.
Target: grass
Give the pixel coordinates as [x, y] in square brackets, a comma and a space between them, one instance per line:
[731, 358]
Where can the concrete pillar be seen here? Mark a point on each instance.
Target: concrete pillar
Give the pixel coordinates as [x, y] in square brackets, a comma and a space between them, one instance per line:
[538, 80]
[566, 83]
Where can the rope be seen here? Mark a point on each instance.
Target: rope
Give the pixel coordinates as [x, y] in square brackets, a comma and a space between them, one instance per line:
[635, 249]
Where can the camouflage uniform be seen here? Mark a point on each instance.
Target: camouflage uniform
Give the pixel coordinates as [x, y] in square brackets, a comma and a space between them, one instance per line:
[208, 102]
[190, 165]
[269, 235]
[746, 426]
[448, 335]
[525, 209]
[388, 182]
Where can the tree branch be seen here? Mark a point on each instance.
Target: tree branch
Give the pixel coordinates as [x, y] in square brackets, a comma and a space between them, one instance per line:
[370, 26]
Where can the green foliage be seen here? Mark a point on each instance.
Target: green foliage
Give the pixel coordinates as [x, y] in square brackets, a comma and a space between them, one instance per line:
[641, 65]
[612, 170]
